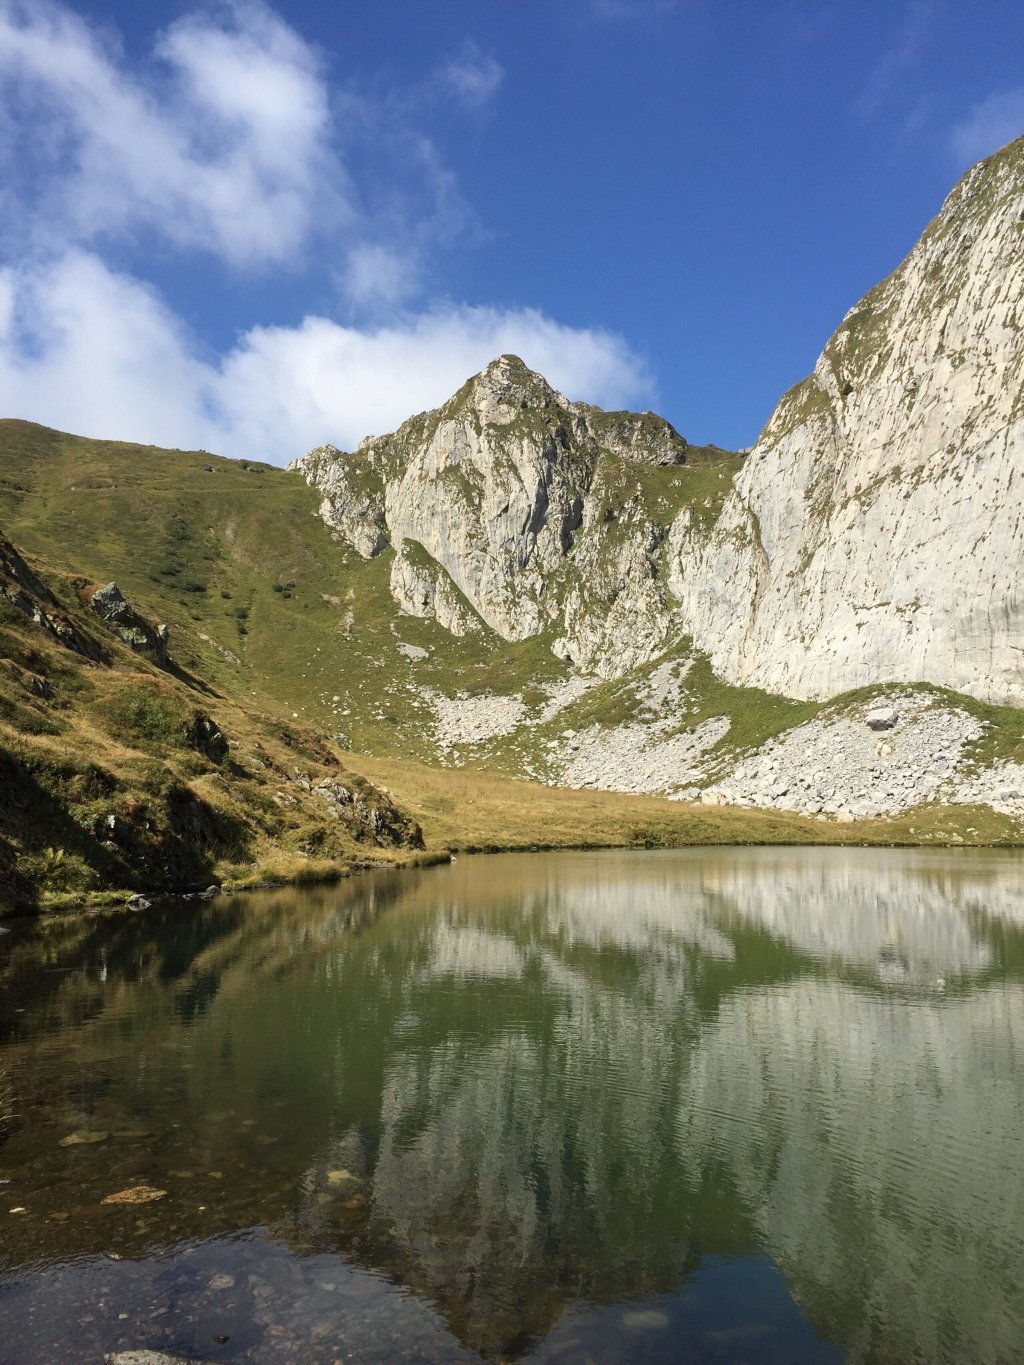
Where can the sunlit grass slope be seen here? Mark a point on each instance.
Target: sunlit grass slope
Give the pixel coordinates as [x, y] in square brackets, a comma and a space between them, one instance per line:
[290, 643]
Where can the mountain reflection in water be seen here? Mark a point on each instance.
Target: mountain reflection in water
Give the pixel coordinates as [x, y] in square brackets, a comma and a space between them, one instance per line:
[705, 1104]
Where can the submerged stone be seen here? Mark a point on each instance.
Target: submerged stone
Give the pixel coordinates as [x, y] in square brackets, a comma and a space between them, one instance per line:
[83, 1138]
[135, 1194]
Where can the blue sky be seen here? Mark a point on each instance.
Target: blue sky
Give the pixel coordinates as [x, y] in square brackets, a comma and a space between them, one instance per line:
[254, 228]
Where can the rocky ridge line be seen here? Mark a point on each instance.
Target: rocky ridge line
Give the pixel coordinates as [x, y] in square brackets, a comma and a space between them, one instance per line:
[512, 508]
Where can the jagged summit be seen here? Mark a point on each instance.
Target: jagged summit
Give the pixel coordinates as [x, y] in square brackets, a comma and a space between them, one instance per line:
[503, 391]
[506, 389]
[511, 507]
[511, 380]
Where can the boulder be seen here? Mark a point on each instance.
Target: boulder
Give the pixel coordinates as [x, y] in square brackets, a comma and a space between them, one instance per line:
[204, 735]
[882, 718]
[110, 605]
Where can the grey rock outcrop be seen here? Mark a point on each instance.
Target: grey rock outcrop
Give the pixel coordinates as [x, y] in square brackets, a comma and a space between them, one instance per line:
[111, 605]
[205, 736]
[353, 496]
[25, 591]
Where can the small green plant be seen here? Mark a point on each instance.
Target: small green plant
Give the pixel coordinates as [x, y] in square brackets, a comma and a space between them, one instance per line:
[145, 713]
[52, 859]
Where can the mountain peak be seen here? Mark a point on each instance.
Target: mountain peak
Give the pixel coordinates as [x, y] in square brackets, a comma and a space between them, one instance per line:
[509, 364]
[508, 382]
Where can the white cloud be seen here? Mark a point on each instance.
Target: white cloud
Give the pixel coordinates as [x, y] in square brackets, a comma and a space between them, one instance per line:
[225, 148]
[96, 352]
[321, 381]
[473, 77]
[376, 275]
[989, 126]
[226, 143]
[89, 350]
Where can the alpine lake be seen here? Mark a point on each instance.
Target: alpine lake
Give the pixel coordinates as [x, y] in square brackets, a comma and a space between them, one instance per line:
[705, 1105]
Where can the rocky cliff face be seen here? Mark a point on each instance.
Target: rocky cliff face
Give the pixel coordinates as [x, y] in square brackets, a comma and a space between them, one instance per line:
[512, 508]
[875, 532]
[873, 535]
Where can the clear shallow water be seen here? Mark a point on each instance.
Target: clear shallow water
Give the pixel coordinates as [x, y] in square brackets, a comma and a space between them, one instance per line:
[709, 1105]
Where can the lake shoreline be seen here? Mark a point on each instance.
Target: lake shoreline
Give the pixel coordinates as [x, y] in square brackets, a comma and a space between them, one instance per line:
[323, 873]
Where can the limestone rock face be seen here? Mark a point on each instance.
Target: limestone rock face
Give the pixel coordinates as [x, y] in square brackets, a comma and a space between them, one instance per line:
[353, 502]
[875, 533]
[615, 613]
[422, 588]
[515, 506]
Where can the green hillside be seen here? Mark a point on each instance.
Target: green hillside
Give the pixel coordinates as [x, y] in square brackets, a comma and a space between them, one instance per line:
[262, 600]
[287, 645]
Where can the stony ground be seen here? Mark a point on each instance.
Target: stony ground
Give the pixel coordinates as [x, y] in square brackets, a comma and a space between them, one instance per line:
[638, 757]
[839, 765]
[901, 750]
[464, 720]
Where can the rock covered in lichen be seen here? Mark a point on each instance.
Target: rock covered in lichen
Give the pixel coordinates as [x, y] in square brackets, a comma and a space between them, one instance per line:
[110, 605]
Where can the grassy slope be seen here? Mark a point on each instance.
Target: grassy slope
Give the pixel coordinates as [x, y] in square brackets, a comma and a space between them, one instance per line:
[104, 785]
[235, 552]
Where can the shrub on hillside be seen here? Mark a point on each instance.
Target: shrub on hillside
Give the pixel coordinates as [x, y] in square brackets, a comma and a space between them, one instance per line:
[147, 714]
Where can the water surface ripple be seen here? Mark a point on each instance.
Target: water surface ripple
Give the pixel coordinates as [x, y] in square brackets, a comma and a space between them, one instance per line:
[722, 1105]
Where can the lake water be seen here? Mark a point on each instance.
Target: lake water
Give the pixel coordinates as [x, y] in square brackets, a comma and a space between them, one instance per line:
[725, 1105]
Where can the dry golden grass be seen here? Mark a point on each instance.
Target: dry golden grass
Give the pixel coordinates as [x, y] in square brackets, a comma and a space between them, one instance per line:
[466, 810]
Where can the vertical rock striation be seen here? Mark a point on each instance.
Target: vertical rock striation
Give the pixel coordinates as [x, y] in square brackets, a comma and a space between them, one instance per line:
[875, 533]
